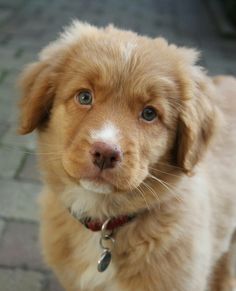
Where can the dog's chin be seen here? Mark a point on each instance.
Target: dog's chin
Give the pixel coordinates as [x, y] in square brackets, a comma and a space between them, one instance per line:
[97, 186]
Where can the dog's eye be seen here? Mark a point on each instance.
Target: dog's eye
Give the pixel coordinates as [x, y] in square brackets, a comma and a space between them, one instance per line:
[84, 98]
[149, 113]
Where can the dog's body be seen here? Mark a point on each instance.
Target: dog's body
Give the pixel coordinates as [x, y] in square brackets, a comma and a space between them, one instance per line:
[181, 237]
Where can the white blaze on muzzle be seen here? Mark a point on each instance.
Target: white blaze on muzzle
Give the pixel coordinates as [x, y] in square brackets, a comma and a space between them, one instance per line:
[109, 133]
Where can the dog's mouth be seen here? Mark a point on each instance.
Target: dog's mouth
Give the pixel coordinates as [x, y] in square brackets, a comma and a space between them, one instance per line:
[114, 180]
[97, 185]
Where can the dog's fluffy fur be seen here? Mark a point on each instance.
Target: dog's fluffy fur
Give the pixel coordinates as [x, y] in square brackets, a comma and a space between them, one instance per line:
[178, 171]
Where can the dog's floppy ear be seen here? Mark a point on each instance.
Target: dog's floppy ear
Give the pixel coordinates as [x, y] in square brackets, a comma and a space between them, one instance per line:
[38, 92]
[38, 79]
[197, 118]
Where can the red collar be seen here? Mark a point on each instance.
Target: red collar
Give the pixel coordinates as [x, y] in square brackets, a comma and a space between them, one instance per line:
[115, 222]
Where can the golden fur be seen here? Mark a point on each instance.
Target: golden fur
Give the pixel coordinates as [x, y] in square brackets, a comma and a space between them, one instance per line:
[178, 171]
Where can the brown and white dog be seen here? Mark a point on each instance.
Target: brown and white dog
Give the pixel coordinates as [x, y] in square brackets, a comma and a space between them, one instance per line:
[132, 133]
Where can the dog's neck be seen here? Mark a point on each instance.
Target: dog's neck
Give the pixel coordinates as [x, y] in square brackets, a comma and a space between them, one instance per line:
[83, 203]
[95, 224]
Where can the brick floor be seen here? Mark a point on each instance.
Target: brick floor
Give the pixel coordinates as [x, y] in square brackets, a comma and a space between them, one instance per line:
[18, 279]
[25, 27]
[19, 200]
[29, 170]
[2, 227]
[20, 246]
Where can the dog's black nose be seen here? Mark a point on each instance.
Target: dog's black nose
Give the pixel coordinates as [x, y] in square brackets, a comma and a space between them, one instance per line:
[105, 156]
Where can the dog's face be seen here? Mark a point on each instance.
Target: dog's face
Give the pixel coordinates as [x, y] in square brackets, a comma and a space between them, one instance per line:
[112, 106]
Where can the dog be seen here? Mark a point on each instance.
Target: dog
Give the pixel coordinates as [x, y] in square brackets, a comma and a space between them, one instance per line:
[137, 150]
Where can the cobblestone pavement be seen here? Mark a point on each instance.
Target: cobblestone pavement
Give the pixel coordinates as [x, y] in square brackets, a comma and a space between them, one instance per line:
[25, 27]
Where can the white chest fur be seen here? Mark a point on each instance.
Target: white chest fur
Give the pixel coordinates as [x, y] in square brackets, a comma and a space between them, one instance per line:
[90, 279]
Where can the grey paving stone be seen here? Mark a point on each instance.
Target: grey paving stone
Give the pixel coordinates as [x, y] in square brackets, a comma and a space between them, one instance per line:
[20, 246]
[11, 78]
[216, 64]
[7, 110]
[7, 57]
[30, 169]
[11, 4]
[14, 57]
[3, 128]
[29, 46]
[11, 159]
[5, 14]
[2, 226]
[19, 200]
[11, 138]
[53, 284]
[19, 280]
[234, 256]
[9, 98]
[9, 93]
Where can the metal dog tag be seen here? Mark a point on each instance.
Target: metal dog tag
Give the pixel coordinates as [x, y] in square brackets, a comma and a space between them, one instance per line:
[104, 260]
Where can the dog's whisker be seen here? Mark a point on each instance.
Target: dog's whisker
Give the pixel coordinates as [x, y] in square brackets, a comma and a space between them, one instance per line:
[168, 165]
[143, 196]
[53, 159]
[162, 182]
[152, 192]
[116, 180]
[10, 148]
[166, 185]
[163, 172]
[47, 154]
[140, 192]
[46, 143]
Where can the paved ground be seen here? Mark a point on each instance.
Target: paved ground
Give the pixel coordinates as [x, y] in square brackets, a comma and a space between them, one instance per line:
[25, 27]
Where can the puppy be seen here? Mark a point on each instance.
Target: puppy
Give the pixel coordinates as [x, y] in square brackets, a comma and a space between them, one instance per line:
[137, 150]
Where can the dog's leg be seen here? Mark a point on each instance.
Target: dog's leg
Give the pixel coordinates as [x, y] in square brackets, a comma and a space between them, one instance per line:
[224, 276]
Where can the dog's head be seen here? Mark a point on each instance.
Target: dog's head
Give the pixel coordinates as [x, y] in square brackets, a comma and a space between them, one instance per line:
[113, 108]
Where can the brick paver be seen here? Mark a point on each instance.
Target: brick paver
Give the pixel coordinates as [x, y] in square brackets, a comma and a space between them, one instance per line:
[18, 279]
[25, 27]
[2, 227]
[20, 246]
[19, 200]
[29, 170]
[11, 159]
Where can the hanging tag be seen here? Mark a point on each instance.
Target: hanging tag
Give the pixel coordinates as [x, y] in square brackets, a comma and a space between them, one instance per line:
[104, 260]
